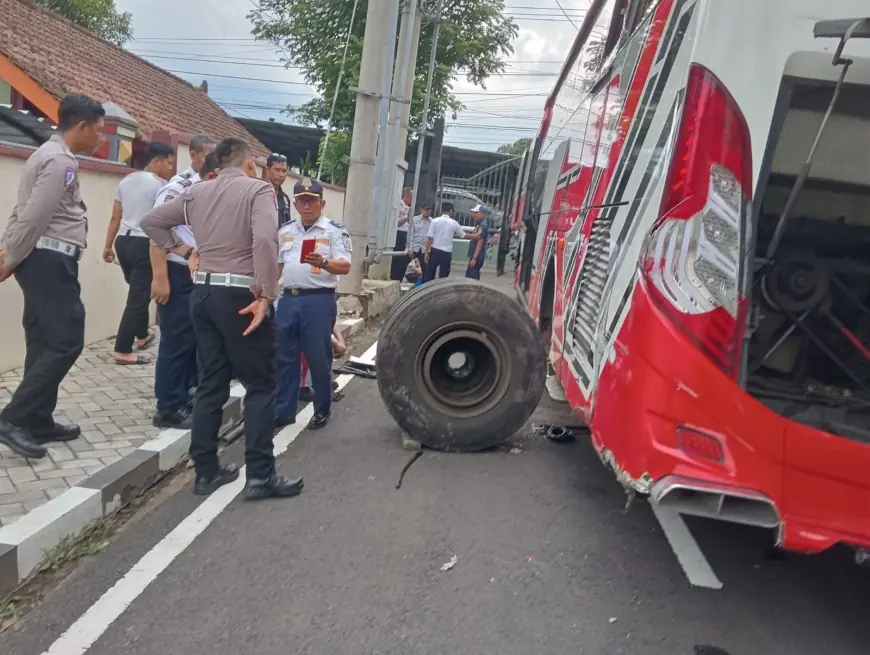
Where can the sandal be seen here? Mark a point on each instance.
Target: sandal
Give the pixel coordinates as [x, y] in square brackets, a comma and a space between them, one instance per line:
[139, 361]
[146, 342]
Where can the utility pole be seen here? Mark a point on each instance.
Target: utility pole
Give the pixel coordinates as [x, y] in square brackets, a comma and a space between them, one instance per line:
[384, 216]
[421, 135]
[363, 148]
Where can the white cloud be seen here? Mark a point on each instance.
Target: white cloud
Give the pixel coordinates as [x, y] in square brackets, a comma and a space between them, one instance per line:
[202, 37]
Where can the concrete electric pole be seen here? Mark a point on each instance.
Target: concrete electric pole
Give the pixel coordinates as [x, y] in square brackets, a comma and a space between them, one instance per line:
[382, 15]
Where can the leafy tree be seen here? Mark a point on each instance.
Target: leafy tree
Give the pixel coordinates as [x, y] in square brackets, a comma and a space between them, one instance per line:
[517, 148]
[474, 41]
[98, 16]
[335, 157]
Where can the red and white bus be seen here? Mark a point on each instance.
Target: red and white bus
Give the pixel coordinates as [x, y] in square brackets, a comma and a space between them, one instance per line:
[705, 291]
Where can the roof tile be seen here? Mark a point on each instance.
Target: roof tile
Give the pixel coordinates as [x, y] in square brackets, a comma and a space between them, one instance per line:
[30, 36]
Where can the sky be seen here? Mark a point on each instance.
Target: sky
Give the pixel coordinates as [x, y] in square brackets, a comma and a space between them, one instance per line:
[206, 40]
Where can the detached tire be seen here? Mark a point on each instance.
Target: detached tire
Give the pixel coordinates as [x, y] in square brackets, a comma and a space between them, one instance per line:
[460, 366]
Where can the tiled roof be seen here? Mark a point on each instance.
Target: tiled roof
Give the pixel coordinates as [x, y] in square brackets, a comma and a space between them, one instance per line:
[64, 58]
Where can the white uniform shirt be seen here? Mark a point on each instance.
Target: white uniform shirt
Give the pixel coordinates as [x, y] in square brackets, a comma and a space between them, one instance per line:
[417, 239]
[332, 242]
[174, 188]
[442, 230]
[404, 213]
[137, 193]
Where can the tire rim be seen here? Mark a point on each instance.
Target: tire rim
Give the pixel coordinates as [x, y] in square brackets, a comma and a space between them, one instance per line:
[464, 370]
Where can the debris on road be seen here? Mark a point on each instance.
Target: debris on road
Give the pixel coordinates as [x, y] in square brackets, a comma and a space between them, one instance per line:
[359, 367]
[449, 564]
[515, 451]
[612, 619]
[413, 459]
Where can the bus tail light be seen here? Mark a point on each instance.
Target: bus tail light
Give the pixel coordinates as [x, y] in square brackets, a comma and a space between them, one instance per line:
[694, 259]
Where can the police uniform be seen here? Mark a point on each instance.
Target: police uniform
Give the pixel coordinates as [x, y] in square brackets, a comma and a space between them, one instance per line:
[175, 373]
[235, 223]
[307, 310]
[482, 233]
[43, 243]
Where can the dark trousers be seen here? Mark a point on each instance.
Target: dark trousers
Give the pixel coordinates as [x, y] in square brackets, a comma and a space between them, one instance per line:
[439, 260]
[399, 263]
[54, 333]
[304, 323]
[473, 272]
[221, 352]
[134, 257]
[175, 373]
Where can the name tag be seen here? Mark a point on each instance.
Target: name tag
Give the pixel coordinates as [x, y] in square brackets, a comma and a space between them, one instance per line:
[288, 239]
[322, 242]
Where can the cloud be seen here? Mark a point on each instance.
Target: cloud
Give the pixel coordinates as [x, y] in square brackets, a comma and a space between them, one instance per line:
[203, 39]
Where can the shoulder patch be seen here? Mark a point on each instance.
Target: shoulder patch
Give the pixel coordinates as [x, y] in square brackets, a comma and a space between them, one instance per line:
[345, 241]
[69, 175]
[186, 182]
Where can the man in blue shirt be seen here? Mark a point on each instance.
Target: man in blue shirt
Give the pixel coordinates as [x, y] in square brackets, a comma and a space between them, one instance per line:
[477, 247]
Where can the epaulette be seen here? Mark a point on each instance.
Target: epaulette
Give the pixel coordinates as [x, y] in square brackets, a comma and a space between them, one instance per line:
[185, 182]
[336, 224]
[185, 176]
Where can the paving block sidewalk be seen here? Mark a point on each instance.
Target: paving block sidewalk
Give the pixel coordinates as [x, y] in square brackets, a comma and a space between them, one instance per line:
[114, 406]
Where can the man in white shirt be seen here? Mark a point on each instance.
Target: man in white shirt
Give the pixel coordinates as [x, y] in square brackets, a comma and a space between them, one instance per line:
[307, 310]
[134, 198]
[419, 231]
[175, 374]
[397, 266]
[439, 243]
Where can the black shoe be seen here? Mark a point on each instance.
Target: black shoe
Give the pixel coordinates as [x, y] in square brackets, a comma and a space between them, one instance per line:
[284, 422]
[335, 385]
[306, 395]
[226, 474]
[318, 421]
[20, 441]
[57, 433]
[278, 486]
[180, 419]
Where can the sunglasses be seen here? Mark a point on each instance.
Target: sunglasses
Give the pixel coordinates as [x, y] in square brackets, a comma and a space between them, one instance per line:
[277, 157]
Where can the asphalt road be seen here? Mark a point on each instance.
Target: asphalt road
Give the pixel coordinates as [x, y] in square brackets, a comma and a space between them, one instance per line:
[547, 563]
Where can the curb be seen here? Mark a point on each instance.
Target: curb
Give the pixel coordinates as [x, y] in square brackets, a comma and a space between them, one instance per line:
[25, 543]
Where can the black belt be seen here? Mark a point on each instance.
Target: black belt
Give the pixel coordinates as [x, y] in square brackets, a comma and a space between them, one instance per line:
[320, 291]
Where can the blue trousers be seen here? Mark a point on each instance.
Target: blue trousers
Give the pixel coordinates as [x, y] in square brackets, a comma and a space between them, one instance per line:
[439, 260]
[175, 373]
[304, 324]
[474, 272]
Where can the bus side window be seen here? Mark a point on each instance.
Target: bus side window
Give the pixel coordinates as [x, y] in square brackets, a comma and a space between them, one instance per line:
[638, 11]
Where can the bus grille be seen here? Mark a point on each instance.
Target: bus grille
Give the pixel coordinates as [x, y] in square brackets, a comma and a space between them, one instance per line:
[591, 283]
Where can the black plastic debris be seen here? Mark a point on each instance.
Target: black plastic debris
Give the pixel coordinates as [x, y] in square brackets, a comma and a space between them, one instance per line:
[560, 434]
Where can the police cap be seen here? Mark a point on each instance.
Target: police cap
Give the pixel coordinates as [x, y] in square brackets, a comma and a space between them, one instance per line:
[308, 187]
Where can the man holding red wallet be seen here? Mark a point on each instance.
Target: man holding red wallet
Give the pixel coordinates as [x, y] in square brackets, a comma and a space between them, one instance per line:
[313, 252]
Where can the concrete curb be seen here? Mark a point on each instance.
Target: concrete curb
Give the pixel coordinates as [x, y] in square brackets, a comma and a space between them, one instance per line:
[25, 543]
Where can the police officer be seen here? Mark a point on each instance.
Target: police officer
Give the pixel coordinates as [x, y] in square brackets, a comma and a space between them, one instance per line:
[479, 239]
[235, 224]
[175, 374]
[307, 308]
[276, 172]
[41, 247]
[199, 147]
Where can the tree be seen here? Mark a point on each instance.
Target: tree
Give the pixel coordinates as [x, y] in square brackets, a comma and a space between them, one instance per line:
[335, 157]
[474, 42]
[517, 148]
[98, 16]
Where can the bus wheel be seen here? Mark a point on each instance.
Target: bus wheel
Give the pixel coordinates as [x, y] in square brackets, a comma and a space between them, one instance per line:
[460, 366]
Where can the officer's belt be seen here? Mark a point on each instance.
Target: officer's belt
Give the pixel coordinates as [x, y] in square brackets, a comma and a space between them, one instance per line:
[56, 245]
[318, 291]
[224, 280]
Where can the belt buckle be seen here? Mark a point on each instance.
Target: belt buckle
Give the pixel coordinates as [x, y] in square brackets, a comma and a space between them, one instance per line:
[228, 280]
[294, 292]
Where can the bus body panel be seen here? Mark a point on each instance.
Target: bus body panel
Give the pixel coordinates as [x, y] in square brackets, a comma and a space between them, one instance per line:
[624, 367]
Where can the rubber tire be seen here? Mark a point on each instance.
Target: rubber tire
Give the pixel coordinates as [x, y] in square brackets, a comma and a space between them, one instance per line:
[412, 293]
[419, 316]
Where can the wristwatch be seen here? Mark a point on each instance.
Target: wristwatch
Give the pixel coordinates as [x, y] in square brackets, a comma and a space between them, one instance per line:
[188, 255]
[325, 263]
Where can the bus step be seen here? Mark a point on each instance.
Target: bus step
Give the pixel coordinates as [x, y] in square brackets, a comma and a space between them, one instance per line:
[554, 388]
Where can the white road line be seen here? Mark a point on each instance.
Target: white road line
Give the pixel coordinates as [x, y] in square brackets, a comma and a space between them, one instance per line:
[91, 625]
[689, 554]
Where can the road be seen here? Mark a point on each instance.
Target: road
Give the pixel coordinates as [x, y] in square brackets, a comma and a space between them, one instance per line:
[546, 562]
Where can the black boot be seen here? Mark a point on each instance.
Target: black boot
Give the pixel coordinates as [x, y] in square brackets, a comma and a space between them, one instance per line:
[205, 486]
[180, 418]
[57, 433]
[277, 486]
[20, 441]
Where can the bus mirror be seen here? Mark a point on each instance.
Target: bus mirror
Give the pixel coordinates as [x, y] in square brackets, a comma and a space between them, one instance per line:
[848, 28]
[839, 29]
